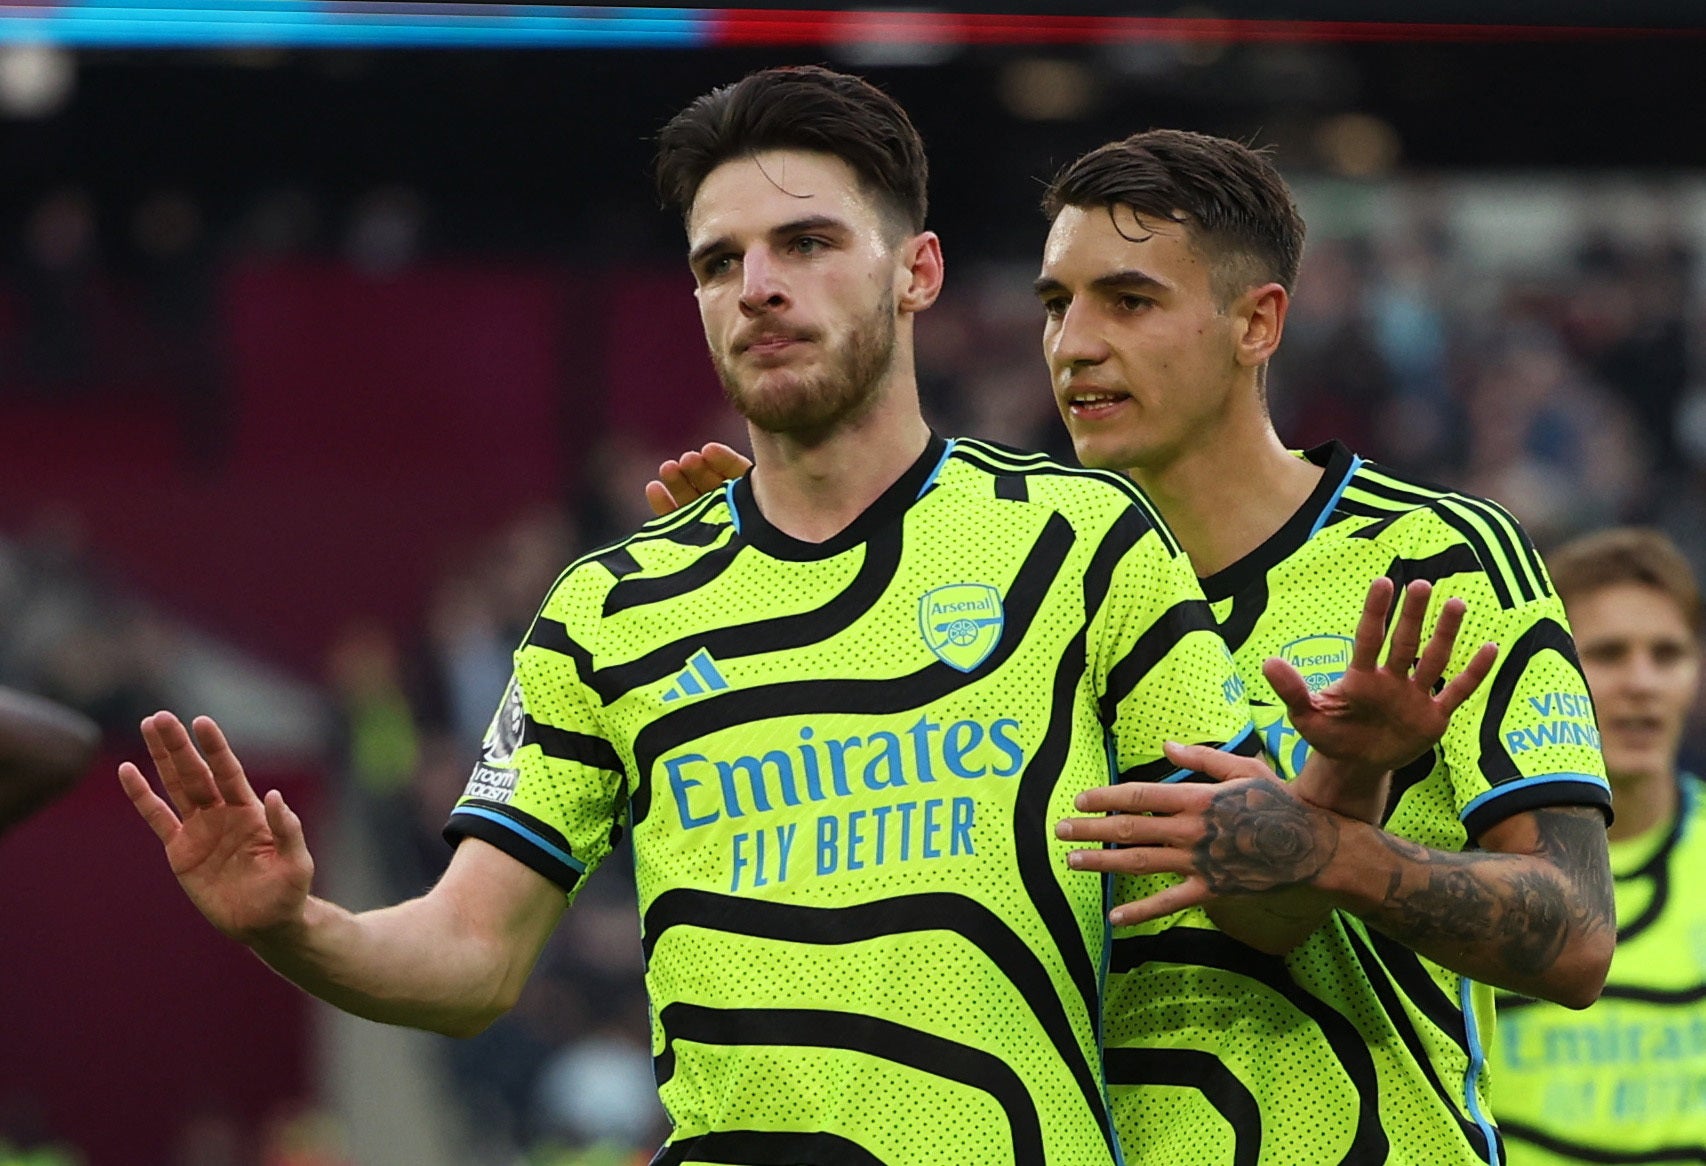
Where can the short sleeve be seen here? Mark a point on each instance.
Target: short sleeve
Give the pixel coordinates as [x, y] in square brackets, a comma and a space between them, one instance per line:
[1527, 737]
[549, 787]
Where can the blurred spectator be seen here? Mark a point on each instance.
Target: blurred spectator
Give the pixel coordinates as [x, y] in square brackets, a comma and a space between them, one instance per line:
[1621, 1080]
[58, 277]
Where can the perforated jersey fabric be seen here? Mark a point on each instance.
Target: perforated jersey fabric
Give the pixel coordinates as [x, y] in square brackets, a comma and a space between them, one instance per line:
[841, 765]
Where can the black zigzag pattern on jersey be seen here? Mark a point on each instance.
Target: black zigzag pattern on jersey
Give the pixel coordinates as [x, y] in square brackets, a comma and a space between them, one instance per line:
[934, 681]
[1543, 635]
[994, 458]
[619, 561]
[1411, 974]
[1126, 532]
[767, 1148]
[898, 915]
[1373, 972]
[1656, 868]
[631, 593]
[564, 745]
[1248, 606]
[1512, 568]
[876, 571]
[1012, 488]
[1197, 947]
[1190, 615]
[1033, 832]
[1195, 1069]
[1577, 1152]
[820, 1028]
[1454, 560]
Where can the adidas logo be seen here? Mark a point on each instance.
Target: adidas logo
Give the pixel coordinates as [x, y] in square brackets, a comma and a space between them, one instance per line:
[699, 677]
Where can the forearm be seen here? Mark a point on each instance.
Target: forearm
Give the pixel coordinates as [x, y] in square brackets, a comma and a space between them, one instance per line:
[1518, 921]
[1348, 790]
[416, 964]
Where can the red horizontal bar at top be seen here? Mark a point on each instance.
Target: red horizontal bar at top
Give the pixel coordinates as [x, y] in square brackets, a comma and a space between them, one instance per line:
[762, 26]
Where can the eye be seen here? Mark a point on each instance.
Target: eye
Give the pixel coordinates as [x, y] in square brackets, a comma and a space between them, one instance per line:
[1054, 306]
[809, 245]
[1133, 303]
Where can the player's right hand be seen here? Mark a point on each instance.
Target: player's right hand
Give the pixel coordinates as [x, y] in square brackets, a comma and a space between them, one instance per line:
[242, 861]
[693, 475]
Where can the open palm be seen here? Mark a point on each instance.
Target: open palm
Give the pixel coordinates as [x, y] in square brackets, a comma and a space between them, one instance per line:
[1383, 714]
[242, 861]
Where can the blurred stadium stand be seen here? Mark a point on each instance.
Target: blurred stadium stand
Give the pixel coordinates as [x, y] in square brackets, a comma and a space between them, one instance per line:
[315, 367]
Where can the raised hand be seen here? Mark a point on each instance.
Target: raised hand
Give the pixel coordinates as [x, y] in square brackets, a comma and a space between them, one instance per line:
[242, 861]
[1380, 715]
[693, 475]
[1243, 835]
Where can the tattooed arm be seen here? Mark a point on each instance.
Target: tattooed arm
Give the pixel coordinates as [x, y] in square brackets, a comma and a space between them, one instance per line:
[1531, 911]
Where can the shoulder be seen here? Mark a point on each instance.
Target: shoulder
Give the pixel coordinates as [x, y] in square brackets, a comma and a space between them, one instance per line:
[1088, 498]
[1434, 532]
[662, 546]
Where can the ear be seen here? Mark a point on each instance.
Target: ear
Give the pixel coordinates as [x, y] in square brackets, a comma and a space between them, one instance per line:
[919, 281]
[1260, 318]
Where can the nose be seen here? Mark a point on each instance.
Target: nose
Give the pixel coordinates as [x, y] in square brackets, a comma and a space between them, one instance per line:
[761, 287]
[1073, 339]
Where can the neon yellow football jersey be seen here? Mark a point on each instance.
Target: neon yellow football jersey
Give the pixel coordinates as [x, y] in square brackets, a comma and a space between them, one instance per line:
[841, 765]
[1352, 1048]
[1624, 1080]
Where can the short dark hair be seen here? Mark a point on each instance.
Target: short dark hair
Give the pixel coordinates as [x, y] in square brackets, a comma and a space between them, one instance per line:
[799, 108]
[1230, 197]
[1626, 554]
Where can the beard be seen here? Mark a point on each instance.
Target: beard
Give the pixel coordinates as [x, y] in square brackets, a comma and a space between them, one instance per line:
[843, 385]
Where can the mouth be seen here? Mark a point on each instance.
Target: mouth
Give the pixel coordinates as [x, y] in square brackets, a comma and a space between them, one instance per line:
[1633, 729]
[1093, 404]
[770, 344]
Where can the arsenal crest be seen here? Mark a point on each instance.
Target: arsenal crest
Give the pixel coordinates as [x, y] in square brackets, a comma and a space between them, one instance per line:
[961, 623]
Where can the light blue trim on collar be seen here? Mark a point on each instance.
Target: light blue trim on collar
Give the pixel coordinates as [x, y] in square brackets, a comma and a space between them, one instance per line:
[940, 462]
[1327, 510]
[729, 499]
[1477, 1058]
[1511, 787]
[556, 852]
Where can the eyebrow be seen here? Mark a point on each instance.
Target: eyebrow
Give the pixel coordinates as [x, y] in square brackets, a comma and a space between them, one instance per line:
[791, 227]
[1121, 280]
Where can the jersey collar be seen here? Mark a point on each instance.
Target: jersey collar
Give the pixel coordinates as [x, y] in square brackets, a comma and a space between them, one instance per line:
[912, 485]
[1338, 465]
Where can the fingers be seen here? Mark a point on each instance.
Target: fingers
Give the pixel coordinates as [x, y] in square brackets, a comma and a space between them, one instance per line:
[659, 498]
[183, 774]
[1438, 652]
[1462, 685]
[1140, 797]
[726, 463]
[1141, 830]
[1215, 763]
[226, 770]
[1190, 893]
[1407, 633]
[286, 827]
[1371, 625]
[149, 804]
[1288, 684]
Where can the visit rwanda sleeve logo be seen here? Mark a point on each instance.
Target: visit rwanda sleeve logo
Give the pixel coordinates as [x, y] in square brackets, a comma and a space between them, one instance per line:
[961, 623]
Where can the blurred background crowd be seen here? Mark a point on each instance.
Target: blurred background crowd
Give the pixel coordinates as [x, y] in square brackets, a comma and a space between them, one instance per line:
[308, 399]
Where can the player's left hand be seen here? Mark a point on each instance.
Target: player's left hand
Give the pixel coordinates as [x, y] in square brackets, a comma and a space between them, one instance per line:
[693, 475]
[1244, 834]
[1382, 714]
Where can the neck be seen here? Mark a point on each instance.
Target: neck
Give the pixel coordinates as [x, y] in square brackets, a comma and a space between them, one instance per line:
[1228, 492]
[813, 489]
[1644, 803]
